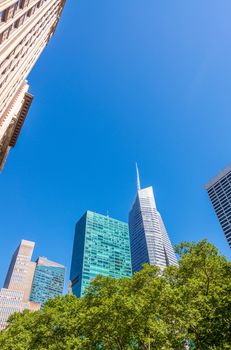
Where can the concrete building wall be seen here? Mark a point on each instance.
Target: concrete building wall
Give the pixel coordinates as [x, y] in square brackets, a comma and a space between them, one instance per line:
[21, 270]
[11, 301]
[26, 26]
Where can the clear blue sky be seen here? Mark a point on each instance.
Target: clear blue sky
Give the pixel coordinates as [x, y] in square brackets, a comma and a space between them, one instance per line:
[122, 81]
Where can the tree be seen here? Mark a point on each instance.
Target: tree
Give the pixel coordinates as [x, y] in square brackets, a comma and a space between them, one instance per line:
[204, 282]
[189, 304]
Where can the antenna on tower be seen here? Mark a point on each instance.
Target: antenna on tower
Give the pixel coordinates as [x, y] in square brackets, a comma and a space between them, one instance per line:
[137, 177]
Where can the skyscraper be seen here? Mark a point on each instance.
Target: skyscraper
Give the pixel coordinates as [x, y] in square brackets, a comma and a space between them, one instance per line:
[21, 270]
[14, 297]
[101, 246]
[219, 191]
[48, 281]
[148, 236]
[26, 26]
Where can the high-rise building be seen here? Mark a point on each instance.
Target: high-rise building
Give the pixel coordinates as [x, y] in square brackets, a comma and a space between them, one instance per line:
[26, 26]
[21, 270]
[219, 191]
[48, 281]
[14, 297]
[148, 236]
[28, 284]
[101, 247]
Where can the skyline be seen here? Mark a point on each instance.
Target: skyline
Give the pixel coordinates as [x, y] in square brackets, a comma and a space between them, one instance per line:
[70, 253]
[138, 89]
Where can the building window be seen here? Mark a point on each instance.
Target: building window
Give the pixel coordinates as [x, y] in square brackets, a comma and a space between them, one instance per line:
[19, 22]
[8, 13]
[24, 3]
[40, 3]
[31, 11]
[5, 34]
[1, 15]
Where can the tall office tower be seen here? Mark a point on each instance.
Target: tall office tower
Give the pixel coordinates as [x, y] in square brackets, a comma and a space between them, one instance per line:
[101, 247]
[26, 26]
[21, 270]
[219, 191]
[148, 236]
[14, 297]
[48, 281]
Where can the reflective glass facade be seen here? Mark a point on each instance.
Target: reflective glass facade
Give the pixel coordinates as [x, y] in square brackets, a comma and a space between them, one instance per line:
[48, 281]
[148, 236]
[101, 246]
[219, 191]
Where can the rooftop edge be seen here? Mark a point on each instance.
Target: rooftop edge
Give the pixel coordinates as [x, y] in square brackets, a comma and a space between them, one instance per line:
[218, 177]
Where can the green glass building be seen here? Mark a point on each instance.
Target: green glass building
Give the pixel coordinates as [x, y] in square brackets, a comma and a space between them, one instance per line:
[101, 247]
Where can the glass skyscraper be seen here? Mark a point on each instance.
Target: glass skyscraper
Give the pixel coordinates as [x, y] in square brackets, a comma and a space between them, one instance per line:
[48, 281]
[219, 191]
[148, 236]
[101, 247]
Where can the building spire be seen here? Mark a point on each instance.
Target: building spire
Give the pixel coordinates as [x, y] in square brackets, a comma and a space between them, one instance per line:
[137, 177]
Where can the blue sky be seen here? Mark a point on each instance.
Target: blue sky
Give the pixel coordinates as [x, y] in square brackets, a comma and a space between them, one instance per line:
[122, 81]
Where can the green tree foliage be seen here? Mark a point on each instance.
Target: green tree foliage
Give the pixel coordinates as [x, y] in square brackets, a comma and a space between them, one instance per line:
[184, 306]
